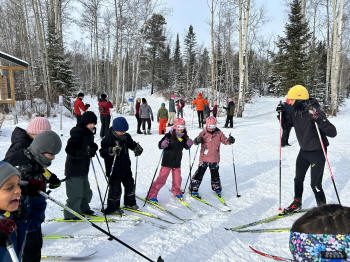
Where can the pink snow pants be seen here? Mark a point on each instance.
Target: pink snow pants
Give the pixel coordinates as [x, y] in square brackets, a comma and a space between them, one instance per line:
[161, 180]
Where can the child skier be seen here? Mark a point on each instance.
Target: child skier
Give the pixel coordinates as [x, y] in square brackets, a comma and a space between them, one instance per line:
[210, 139]
[10, 193]
[162, 118]
[31, 163]
[172, 143]
[80, 149]
[115, 151]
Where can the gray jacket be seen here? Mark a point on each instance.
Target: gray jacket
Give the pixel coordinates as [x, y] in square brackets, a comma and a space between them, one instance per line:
[146, 111]
[172, 105]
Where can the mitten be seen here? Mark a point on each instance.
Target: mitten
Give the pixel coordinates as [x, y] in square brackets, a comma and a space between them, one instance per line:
[164, 144]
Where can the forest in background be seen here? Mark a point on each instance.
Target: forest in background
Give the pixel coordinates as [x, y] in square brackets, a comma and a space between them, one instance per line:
[127, 46]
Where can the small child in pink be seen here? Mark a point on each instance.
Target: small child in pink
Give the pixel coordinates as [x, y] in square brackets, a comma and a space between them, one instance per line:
[172, 143]
[210, 139]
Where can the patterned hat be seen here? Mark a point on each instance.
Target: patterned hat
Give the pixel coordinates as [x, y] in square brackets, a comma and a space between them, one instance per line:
[38, 125]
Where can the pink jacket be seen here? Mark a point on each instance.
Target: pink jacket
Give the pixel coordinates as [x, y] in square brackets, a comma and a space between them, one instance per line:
[210, 148]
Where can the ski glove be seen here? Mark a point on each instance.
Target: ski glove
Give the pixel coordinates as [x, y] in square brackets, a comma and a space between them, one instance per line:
[115, 150]
[138, 150]
[189, 142]
[34, 185]
[231, 139]
[164, 144]
[54, 182]
[87, 106]
[280, 108]
[317, 115]
[91, 150]
[7, 226]
[198, 140]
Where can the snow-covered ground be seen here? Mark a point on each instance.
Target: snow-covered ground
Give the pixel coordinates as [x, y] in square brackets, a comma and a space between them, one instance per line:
[256, 156]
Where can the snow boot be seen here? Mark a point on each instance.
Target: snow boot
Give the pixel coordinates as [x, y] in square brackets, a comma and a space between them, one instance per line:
[295, 206]
[118, 212]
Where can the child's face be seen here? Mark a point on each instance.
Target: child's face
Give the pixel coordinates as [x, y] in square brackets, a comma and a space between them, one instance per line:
[119, 133]
[10, 194]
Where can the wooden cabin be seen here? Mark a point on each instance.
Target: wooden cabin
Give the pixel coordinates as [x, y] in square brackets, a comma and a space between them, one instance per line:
[7, 79]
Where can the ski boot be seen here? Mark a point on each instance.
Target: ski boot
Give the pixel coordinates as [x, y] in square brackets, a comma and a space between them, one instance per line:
[295, 206]
[89, 212]
[180, 197]
[195, 194]
[218, 192]
[118, 212]
[153, 200]
[134, 207]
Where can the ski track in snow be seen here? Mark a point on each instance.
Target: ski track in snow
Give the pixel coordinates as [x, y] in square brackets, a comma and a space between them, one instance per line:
[256, 156]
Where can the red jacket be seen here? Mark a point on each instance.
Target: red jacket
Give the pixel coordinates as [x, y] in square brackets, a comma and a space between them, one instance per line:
[137, 108]
[79, 107]
[104, 106]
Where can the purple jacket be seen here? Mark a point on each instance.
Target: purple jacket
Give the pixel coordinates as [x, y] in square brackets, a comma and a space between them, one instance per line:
[210, 147]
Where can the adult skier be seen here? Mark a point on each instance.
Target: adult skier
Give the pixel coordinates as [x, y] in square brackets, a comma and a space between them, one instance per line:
[305, 113]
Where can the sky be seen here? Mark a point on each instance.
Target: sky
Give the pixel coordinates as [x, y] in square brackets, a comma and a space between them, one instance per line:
[182, 13]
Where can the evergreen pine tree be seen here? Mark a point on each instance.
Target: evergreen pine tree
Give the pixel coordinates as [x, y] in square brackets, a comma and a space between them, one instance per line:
[154, 34]
[291, 61]
[63, 81]
[178, 71]
[204, 69]
[190, 57]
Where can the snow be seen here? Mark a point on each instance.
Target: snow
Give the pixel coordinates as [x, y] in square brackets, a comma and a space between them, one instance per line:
[256, 156]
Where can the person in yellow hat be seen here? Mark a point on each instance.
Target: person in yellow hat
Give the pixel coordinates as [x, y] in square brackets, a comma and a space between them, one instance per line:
[305, 113]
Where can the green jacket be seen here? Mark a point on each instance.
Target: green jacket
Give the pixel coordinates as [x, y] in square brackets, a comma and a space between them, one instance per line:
[162, 113]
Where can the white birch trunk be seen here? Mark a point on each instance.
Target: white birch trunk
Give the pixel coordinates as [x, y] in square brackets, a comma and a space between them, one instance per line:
[336, 54]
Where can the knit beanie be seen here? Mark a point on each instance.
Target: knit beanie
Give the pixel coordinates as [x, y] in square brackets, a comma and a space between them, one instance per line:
[120, 124]
[38, 125]
[81, 94]
[45, 142]
[6, 171]
[103, 96]
[88, 117]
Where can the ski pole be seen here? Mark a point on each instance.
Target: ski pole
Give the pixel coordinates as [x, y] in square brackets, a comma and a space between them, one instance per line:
[155, 172]
[234, 171]
[191, 166]
[99, 193]
[11, 250]
[103, 171]
[136, 165]
[280, 164]
[329, 166]
[94, 225]
[110, 173]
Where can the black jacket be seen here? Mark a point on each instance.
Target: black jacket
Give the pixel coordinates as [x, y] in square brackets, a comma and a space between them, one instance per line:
[122, 161]
[304, 126]
[80, 143]
[26, 165]
[230, 109]
[173, 153]
[19, 140]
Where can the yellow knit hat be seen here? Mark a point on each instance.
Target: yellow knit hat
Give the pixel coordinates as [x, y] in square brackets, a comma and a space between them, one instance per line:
[298, 92]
